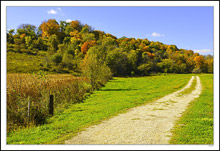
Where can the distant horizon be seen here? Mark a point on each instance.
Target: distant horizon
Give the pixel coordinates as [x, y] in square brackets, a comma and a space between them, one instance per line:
[189, 28]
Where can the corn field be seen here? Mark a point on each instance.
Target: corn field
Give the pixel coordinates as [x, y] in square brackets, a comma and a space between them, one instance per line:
[28, 96]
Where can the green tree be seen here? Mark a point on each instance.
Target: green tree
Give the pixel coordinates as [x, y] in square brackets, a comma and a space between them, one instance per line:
[97, 72]
[109, 43]
[57, 58]
[118, 62]
[67, 61]
[86, 29]
[144, 69]
[10, 37]
[166, 66]
[28, 41]
[53, 43]
[41, 44]
[88, 37]
[27, 29]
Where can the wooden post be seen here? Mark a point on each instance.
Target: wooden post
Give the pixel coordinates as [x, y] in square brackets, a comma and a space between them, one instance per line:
[51, 105]
[28, 110]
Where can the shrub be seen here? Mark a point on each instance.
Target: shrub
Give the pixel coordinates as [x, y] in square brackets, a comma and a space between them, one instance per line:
[57, 58]
[196, 70]
[144, 69]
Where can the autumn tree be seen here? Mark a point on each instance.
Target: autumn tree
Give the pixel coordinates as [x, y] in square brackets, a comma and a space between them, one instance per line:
[200, 65]
[73, 25]
[49, 28]
[86, 45]
[75, 34]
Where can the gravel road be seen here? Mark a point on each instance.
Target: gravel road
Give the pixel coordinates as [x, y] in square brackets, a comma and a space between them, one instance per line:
[146, 124]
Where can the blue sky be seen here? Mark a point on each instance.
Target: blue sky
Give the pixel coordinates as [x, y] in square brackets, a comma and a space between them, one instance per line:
[187, 27]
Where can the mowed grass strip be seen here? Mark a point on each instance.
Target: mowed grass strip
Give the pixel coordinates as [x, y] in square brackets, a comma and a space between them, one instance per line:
[196, 124]
[116, 97]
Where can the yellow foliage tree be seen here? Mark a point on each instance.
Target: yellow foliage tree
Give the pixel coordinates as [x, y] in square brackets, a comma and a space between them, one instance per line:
[49, 28]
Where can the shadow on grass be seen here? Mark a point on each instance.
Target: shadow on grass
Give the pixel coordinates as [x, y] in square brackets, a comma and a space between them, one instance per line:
[117, 89]
[114, 80]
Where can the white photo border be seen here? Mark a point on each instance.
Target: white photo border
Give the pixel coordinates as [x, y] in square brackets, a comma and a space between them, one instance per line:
[5, 4]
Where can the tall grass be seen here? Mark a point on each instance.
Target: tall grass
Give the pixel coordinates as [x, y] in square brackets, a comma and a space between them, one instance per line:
[28, 96]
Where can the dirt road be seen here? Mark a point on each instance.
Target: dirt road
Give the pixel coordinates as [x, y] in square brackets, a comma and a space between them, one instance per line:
[147, 124]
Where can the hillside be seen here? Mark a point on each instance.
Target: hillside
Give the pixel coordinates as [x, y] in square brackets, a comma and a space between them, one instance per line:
[68, 47]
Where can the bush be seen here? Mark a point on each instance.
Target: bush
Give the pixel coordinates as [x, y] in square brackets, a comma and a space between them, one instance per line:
[57, 58]
[196, 70]
[144, 69]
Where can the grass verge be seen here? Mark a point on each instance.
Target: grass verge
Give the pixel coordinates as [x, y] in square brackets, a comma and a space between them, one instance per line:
[116, 97]
[196, 124]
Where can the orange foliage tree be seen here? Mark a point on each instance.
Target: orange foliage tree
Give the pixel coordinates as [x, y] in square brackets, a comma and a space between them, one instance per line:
[75, 25]
[199, 61]
[86, 45]
[151, 55]
[49, 28]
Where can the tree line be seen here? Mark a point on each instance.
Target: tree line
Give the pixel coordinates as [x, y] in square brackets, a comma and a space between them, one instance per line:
[76, 47]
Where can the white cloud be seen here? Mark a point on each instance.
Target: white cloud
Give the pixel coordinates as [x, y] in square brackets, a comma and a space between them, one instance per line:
[154, 34]
[203, 51]
[51, 11]
[68, 20]
[57, 11]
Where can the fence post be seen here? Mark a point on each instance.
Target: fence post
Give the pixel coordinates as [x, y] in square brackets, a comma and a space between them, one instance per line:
[51, 105]
[28, 110]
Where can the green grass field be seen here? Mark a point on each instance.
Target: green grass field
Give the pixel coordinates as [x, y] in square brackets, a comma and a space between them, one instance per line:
[23, 63]
[116, 97]
[196, 124]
